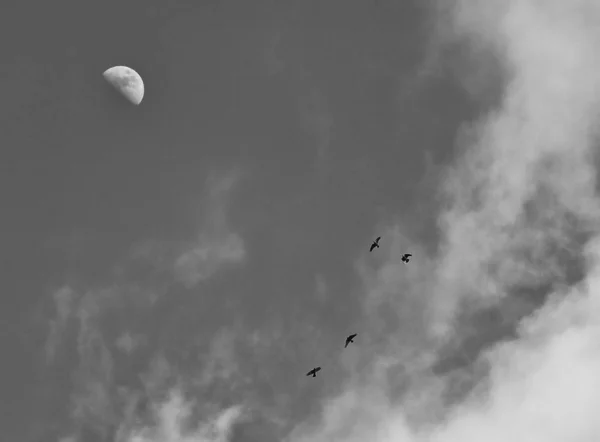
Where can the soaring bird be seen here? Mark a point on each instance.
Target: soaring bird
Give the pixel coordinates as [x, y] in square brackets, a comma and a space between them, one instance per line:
[375, 244]
[406, 257]
[350, 339]
[313, 372]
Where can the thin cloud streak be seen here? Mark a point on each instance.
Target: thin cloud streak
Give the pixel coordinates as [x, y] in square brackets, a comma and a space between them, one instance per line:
[216, 246]
[63, 300]
[173, 423]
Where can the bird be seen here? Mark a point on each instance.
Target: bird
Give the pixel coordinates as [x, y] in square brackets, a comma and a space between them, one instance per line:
[406, 258]
[375, 244]
[350, 339]
[313, 372]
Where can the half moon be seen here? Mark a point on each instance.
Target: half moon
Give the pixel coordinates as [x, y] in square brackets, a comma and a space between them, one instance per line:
[127, 81]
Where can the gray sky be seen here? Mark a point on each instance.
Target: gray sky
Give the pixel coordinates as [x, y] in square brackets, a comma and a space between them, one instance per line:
[172, 270]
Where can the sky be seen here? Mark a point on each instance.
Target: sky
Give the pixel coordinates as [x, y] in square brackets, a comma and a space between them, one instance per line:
[172, 270]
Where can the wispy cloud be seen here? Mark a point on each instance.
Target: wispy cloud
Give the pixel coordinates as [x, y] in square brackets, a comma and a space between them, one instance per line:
[207, 256]
[104, 325]
[273, 60]
[520, 208]
[216, 245]
[174, 423]
[129, 342]
[98, 405]
[313, 104]
[319, 122]
[220, 362]
[63, 302]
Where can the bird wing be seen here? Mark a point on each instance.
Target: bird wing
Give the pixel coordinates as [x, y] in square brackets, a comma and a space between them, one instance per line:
[377, 239]
[407, 254]
[372, 247]
[311, 372]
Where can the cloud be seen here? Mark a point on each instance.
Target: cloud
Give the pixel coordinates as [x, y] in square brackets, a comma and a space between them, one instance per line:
[273, 60]
[207, 256]
[220, 363]
[529, 164]
[173, 423]
[321, 287]
[63, 301]
[319, 122]
[128, 342]
[542, 388]
[216, 246]
[100, 404]
[519, 211]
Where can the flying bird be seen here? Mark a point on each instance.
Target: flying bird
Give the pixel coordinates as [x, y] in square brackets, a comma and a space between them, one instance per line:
[375, 244]
[406, 258]
[313, 372]
[350, 339]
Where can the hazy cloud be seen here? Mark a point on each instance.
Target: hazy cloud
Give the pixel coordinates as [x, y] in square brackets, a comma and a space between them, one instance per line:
[174, 423]
[319, 123]
[216, 245]
[63, 302]
[207, 256]
[273, 60]
[128, 342]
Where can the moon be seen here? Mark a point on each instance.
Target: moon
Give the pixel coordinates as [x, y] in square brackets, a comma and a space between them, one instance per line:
[127, 81]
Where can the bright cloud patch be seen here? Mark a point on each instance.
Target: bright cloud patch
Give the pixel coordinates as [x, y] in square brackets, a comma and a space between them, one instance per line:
[207, 256]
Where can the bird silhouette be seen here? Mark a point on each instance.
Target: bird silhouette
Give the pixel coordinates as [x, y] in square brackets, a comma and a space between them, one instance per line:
[350, 339]
[314, 372]
[375, 244]
[406, 258]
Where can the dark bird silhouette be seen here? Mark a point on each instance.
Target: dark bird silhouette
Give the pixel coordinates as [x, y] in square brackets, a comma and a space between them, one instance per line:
[350, 339]
[314, 372]
[406, 258]
[375, 244]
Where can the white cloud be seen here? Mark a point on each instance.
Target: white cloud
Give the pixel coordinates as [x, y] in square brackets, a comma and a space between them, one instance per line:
[529, 167]
[207, 256]
[523, 189]
[174, 423]
[542, 389]
[220, 362]
[217, 245]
